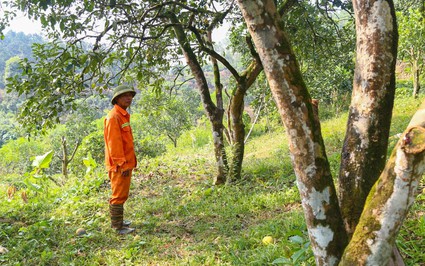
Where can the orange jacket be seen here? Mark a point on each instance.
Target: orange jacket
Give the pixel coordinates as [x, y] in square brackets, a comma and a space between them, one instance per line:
[119, 147]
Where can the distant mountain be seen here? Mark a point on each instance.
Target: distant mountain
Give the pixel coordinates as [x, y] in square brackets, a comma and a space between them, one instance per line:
[16, 44]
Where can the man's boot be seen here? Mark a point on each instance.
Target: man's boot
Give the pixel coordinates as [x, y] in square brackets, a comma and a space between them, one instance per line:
[117, 215]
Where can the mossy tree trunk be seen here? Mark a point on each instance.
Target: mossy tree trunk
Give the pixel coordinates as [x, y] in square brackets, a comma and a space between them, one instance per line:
[311, 166]
[390, 199]
[236, 108]
[365, 146]
[237, 133]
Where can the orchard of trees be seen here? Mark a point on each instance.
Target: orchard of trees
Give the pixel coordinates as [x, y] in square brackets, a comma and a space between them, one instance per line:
[294, 61]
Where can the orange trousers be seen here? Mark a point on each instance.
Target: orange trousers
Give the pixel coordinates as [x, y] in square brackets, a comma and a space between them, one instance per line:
[120, 187]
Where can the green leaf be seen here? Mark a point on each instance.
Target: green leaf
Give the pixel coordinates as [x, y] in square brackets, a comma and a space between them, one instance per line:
[43, 161]
[32, 186]
[90, 163]
[282, 261]
[296, 239]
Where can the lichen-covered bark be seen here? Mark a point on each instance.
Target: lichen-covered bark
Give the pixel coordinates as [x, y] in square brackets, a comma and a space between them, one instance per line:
[365, 146]
[214, 114]
[237, 133]
[311, 166]
[236, 108]
[390, 198]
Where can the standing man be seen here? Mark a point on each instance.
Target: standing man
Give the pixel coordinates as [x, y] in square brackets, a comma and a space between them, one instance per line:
[120, 158]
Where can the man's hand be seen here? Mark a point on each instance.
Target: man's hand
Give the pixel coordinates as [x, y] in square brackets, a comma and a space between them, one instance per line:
[125, 173]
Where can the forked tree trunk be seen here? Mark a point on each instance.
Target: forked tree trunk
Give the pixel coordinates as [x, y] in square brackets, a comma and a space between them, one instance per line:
[366, 140]
[214, 113]
[236, 108]
[390, 199]
[67, 158]
[236, 130]
[311, 166]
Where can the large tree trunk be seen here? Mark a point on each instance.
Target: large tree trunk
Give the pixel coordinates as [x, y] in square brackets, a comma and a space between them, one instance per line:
[365, 146]
[390, 199]
[311, 166]
[214, 113]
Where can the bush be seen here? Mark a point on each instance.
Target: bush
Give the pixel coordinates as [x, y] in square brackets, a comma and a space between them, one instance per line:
[196, 137]
[150, 146]
[15, 155]
[93, 144]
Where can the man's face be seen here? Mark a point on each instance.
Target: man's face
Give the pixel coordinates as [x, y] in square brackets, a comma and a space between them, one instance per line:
[124, 100]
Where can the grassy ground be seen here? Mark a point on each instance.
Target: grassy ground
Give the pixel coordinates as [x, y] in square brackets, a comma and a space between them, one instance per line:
[181, 219]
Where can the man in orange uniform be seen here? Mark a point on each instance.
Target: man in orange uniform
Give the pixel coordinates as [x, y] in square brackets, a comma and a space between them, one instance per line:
[120, 158]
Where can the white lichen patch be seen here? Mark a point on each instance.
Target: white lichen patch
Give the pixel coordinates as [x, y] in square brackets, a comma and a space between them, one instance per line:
[216, 137]
[254, 10]
[381, 18]
[322, 236]
[317, 201]
[273, 60]
[361, 126]
[314, 200]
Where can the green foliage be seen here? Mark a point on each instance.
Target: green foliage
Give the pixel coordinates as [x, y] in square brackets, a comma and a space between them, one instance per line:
[9, 129]
[90, 163]
[92, 144]
[81, 57]
[12, 68]
[411, 39]
[324, 43]
[196, 137]
[15, 155]
[150, 146]
[404, 89]
[36, 180]
[168, 115]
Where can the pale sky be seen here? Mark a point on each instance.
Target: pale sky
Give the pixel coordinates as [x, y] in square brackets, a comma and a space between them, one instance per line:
[23, 24]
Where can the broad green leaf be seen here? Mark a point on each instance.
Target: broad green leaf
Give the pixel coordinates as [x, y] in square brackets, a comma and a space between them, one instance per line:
[43, 161]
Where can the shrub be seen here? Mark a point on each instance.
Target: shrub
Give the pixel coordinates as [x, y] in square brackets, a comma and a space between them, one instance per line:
[15, 155]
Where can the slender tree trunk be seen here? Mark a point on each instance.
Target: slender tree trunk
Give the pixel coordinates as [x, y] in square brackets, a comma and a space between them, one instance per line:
[311, 166]
[366, 141]
[173, 139]
[214, 114]
[220, 154]
[64, 158]
[416, 79]
[390, 199]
